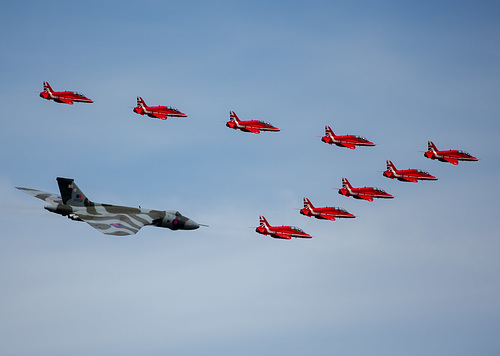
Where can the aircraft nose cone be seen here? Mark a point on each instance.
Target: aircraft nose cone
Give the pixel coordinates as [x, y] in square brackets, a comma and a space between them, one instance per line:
[191, 225]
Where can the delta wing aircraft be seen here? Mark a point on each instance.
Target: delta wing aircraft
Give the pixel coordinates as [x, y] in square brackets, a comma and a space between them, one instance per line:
[108, 219]
[406, 175]
[326, 213]
[254, 126]
[158, 112]
[451, 156]
[280, 232]
[349, 141]
[64, 97]
[366, 193]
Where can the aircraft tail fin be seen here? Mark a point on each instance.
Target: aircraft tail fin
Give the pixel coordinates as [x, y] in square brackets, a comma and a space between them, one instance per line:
[391, 166]
[308, 204]
[70, 193]
[141, 102]
[329, 131]
[46, 87]
[431, 146]
[263, 221]
[346, 184]
[233, 116]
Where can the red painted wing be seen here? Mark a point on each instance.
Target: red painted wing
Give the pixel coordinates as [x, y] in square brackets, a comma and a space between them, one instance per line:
[410, 179]
[66, 101]
[282, 236]
[366, 197]
[451, 160]
[348, 145]
[328, 217]
[255, 131]
[159, 116]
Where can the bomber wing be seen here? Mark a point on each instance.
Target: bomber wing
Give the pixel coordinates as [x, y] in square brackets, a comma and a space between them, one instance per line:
[117, 224]
[48, 197]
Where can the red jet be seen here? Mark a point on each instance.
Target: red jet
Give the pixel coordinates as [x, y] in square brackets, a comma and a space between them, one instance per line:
[158, 112]
[253, 126]
[326, 213]
[366, 193]
[63, 97]
[349, 141]
[451, 156]
[407, 175]
[280, 232]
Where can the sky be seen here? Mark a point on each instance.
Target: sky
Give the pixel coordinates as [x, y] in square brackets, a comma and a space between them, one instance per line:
[413, 275]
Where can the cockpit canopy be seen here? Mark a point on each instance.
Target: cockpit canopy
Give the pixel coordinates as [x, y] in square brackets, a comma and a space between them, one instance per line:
[79, 94]
[297, 229]
[172, 108]
[464, 153]
[265, 123]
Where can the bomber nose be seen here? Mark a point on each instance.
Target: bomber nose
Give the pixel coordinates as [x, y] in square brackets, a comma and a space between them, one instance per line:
[191, 225]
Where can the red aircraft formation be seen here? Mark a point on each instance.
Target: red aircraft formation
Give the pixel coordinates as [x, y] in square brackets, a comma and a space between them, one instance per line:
[326, 213]
[158, 112]
[253, 126]
[451, 156]
[407, 175]
[280, 232]
[63, 97]
[349, 141]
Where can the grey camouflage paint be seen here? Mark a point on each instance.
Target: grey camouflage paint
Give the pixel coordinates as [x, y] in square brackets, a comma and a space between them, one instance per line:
[108, 219]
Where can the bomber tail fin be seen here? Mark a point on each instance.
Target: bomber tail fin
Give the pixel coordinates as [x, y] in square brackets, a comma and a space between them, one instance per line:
[70, 193]
[46, 87]
[233, 116]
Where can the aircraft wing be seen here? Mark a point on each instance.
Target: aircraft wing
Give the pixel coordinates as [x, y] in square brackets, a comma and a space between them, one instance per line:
[328, 217]
[451, 160]
[117, 224]
[348, 145]
[366, 197]
[281, 235]
[48, 197]
[159, 116]
[252, 130]
[66, 101]
[410, 179]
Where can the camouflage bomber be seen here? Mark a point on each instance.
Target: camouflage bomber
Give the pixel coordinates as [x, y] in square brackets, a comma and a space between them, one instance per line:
[109, 219]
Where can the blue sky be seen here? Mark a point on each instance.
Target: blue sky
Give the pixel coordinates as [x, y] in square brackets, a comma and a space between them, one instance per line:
[414, 275]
